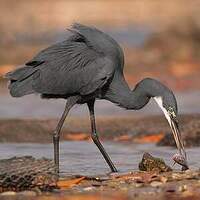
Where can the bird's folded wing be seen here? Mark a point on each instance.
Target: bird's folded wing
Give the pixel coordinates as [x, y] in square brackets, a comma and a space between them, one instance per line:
[70, 67]
[81, 80]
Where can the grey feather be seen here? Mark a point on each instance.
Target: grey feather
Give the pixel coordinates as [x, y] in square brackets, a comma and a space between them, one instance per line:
[81, 65]
[81, 80]
[21, 88]
[88, 65]
[74, 66]
[20, 74]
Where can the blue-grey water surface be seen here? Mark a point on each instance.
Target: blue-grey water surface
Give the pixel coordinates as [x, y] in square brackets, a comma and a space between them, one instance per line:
[82, 157]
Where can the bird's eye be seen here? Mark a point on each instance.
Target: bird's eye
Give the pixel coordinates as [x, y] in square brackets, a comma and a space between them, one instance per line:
[171, 112]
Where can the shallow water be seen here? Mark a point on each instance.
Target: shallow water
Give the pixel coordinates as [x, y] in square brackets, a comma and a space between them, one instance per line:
[82, 157]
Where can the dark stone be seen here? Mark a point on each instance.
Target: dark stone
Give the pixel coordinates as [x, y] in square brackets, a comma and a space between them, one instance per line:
[26, 172]
[150, 163]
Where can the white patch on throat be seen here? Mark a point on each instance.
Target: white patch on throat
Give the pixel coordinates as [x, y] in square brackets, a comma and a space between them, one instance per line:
[159, 101]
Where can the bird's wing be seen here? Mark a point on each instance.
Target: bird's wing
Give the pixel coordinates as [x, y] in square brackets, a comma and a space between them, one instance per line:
[70, 67]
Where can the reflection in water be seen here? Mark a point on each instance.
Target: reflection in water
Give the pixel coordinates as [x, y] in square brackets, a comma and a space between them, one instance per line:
[84, 158]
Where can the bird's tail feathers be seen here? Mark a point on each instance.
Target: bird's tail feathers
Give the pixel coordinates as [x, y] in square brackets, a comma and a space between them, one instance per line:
[20, 73]
[21, 81]
[21, 88]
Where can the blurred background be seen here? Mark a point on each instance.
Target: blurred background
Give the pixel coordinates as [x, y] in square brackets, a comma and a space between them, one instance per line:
[160, 39]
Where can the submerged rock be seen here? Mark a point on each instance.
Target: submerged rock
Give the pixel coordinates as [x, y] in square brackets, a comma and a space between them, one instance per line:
[26, 173]
[150, 163]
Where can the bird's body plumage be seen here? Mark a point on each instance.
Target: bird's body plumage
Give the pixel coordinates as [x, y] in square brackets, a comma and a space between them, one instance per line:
[88, 65]
[81, 65]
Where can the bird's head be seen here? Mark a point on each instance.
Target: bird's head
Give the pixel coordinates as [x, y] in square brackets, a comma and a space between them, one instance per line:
[168, 105]
[167, 102]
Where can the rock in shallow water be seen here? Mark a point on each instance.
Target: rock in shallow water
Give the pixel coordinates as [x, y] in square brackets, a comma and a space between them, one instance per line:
[26, 172]
[150, 163]
[8, 193]
[27, 193]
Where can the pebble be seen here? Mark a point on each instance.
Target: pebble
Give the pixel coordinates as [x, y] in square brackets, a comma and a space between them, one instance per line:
[139, 185]
[156, 183]
[163, 179]
[8, 193]
[28, 193]
[89, 188]
[171, 189]
[182, 188]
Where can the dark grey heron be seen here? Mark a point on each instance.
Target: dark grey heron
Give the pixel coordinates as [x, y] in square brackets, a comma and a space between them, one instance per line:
[87, 66]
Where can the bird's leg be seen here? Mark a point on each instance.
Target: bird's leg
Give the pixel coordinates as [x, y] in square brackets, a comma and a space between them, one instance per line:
[71, 101]
[96, 139]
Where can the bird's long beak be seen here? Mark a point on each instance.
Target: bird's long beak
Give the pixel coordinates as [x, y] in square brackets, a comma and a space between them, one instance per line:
[179, 143]
[177, 136]
[172, 120]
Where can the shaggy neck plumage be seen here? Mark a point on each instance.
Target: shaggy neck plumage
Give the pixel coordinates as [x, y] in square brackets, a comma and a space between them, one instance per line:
[120, 93]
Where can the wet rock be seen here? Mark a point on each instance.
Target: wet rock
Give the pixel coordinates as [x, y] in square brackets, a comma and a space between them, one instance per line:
[182, 188]
[156, 183]
[163, 179]
[27, 172]
[8, 193]
[171, 189]
[89, 188]
[150, 163]
[28, 193]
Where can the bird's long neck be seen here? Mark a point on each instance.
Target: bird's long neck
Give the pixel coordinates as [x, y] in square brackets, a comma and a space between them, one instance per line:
[120, 93]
